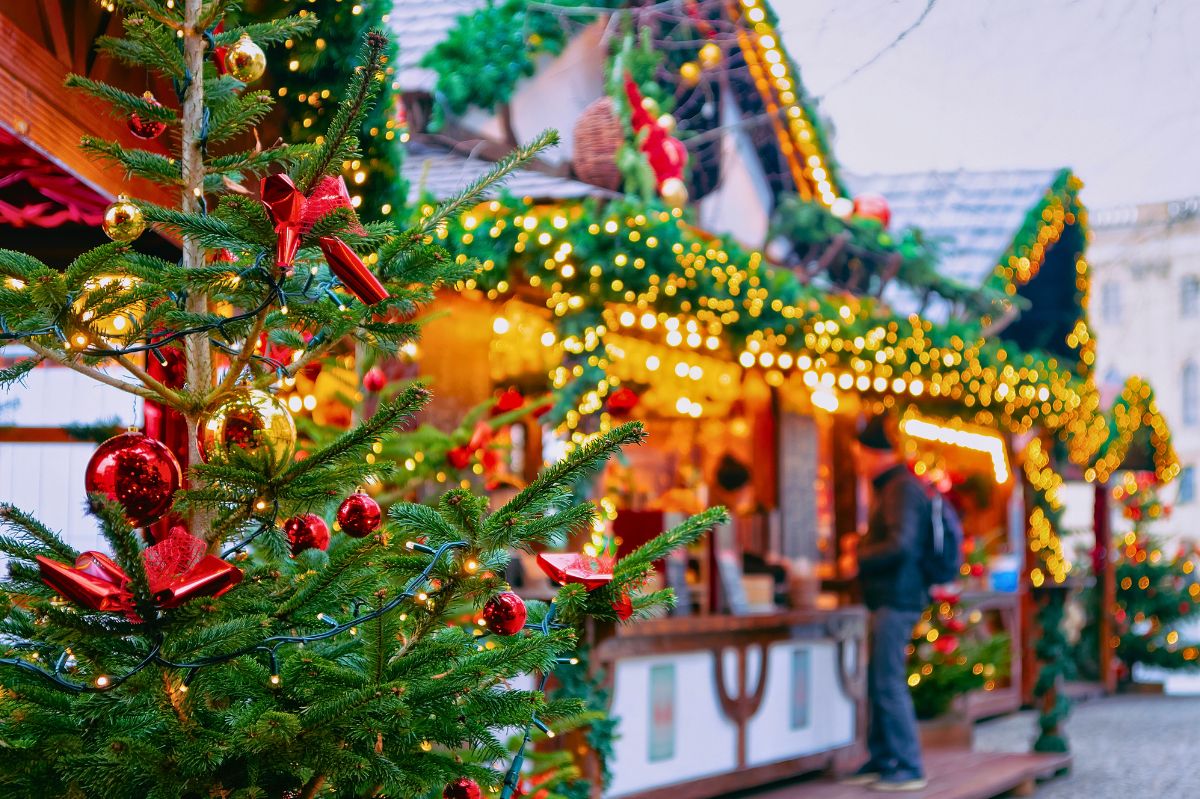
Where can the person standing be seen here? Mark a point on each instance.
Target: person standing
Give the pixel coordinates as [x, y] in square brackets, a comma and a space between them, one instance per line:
[895, 592]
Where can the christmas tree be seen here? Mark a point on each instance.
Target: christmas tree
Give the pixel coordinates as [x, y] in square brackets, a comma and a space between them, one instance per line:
[1158, 593]
[246, 652]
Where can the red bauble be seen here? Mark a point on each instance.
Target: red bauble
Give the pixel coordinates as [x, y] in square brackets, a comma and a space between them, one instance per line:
[146, 128]
[510, 400]
[359, 515]
[306, 532]
[459, 457]
[136, 471]
[623, 400]
[374, 380]
[504, 614]
[873, 206]
[462, 788]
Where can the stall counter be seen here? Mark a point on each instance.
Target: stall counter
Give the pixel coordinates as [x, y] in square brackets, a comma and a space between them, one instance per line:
[713, 704]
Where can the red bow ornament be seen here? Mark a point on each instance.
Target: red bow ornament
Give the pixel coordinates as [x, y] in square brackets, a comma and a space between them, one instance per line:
[571, 567]
[295, 215]
[176, 567]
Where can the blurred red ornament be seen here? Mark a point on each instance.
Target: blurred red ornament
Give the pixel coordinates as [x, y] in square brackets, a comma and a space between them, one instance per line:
[623, 400]
[873, 206]
[510, 400]
[943, 594]
[136, 471]
[459, 457]
[359, 515]
[946, 644]
[221, 256]
[623, 607]
[505, 614]
[571, 567]
[146, 128]
[955, 625]
[219, 52]
[462, 788]
[374, 380]
[306, 532]
[976, 569]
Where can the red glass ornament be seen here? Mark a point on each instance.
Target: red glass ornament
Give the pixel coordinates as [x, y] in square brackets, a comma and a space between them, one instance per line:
[504, 614]
[459, 457]
[136, 471]
[510, 400]
[462, 788]
[374, 380]
[306, 532]
[359, 515]
[873, 206]
[623, 400]
[146, 128]
[623, 607]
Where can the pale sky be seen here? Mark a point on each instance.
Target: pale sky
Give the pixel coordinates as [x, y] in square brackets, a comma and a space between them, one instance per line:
[1110, 88]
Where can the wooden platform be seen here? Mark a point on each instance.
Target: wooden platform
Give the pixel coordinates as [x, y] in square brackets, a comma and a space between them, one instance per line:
[953, 774]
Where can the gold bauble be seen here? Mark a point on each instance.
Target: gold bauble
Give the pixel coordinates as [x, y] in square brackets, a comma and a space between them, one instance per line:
[667, 123]
[123, 221]
[710, 55]
[689, 72]
[249, 425]
[650, 105]
[674, 192]
[245, 60]
[117, 324]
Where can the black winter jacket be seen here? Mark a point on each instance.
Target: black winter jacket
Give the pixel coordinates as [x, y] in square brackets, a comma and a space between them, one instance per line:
[889, 555]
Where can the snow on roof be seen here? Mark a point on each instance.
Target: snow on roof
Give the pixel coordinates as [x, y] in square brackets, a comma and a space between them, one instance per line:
[443, 173]
[419, 25]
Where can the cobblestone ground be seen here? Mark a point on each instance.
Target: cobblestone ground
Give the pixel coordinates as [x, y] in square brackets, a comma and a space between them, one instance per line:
[1126, 747]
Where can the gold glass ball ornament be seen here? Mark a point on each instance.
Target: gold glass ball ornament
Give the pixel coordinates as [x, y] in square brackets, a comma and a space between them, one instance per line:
[248, 425]
[674, 192]
[689, 73]
[245, 60]
[119, 323]
[123, 220]
[710, 55]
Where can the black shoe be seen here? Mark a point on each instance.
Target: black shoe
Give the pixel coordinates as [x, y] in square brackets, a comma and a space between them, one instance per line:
[866, 774]
[897, 782]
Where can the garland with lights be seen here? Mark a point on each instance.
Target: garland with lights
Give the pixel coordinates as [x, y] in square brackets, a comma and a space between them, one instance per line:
[1134, 421]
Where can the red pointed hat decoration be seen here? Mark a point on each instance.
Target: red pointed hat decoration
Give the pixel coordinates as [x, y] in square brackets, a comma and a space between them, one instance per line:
[295, 215]
[571, 567]
[176, 567]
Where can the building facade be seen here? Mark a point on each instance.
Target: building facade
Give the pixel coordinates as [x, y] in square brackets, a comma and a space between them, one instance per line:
[1146, 313]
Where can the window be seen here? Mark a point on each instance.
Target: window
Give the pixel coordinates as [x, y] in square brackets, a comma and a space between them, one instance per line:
[1191, 394]
[1110, 302]
[1189, 297]
[1187, 486]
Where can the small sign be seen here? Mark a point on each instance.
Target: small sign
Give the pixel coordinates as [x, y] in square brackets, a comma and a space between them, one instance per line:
[662, 713]
[729, 568]
[800, 690]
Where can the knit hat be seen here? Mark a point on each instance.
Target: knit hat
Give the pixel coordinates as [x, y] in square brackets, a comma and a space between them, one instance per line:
[876, 433]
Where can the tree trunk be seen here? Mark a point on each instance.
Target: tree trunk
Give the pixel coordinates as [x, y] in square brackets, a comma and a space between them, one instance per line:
[196, 346]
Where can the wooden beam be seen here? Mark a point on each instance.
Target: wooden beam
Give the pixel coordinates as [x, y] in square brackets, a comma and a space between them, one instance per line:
[51, 119]
[52, 19]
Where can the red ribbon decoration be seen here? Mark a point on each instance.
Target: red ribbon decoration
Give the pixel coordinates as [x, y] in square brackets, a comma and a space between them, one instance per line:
[176, 568]
[571, 567]
[667, 155]
[295, 215]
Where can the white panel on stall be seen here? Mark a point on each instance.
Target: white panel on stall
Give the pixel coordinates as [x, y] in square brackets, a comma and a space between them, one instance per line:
[702, 741]
[46, 480]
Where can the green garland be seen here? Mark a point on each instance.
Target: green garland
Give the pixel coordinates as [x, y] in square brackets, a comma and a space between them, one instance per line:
[487, 53]
[309, 77]
[590, 255]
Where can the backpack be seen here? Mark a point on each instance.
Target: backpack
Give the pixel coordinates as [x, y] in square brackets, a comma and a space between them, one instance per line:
[942, 557]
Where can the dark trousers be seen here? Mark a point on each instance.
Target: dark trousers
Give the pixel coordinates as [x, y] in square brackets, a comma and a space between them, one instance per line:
[892, 734]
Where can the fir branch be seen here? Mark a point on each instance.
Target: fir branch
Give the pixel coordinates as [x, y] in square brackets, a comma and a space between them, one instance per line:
[556, 481]
[276, 31]
[122, 101]
[340, 142]
[17, 372]
[475, 192]
[360, 438]
[634, 566]
[147, 44]
[136, 163]
[29, 530]
[239, 115]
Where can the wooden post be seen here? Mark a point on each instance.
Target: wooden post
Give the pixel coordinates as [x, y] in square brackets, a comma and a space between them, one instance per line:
[1106, 582]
